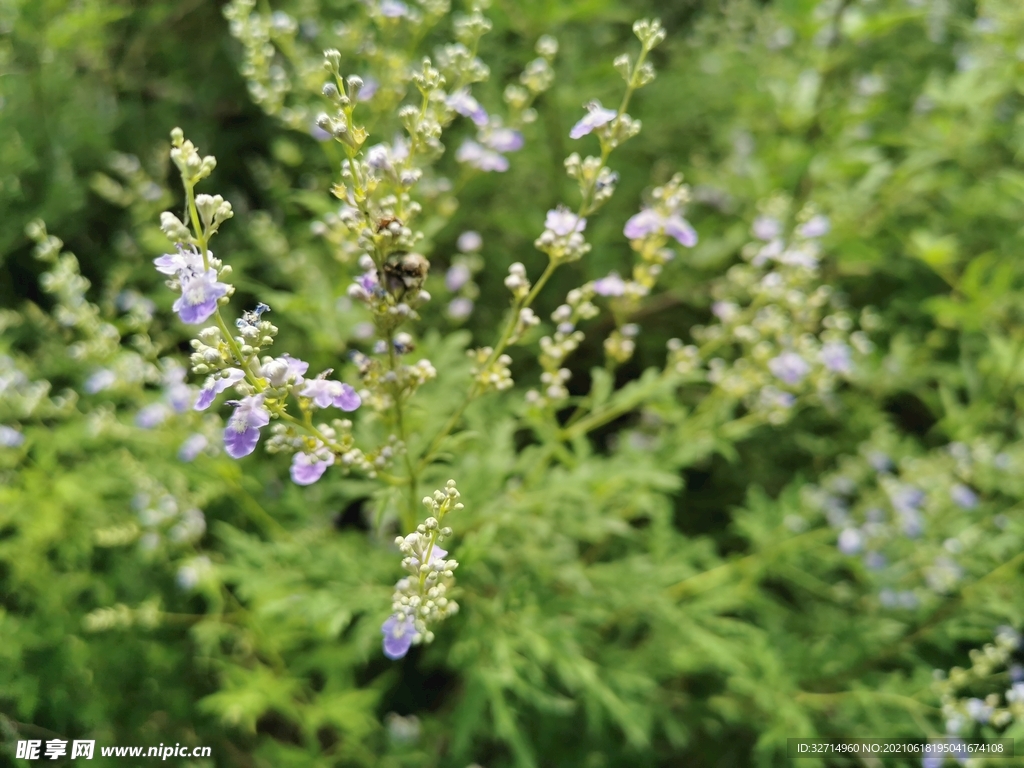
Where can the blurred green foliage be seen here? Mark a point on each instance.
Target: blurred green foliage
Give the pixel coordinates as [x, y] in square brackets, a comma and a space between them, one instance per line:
[663, 591]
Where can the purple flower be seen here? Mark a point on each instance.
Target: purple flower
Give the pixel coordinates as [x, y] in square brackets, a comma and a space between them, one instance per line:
[879, 461]
[152, 415]
[815, 227]
[643, 224]
[100, 380]
[457, 276]
[679, 228]
[370, 87]
[307, 468]
[906, 498]
[963, 496]
[460, 308]
[319, 133]
[325, 393]
[176, 392]
[649, 222]
[835, 355]
[469, 241]
[10, 437]
[789, 367]
[285, 370]
[215, 385]
[398, 637]
[562, 221]
[243, 429]
[875, 561]
[978, 710]
[767, 228]
[182, 261]
[480, 157]
[393, 9]
[596, 117]
[851, 541]
[612, 285]
[504, 139]
[199, 294]
[192, 447]
[464, 103]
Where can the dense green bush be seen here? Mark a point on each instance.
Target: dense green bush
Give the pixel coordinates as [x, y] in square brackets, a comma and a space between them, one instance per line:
[777, 496]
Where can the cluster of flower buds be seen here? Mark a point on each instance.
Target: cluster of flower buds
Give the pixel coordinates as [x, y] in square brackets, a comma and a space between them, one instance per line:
[421, 599]
[265, 384]
[991, 666]
[906, 516]
[491, 373]
[787, 331]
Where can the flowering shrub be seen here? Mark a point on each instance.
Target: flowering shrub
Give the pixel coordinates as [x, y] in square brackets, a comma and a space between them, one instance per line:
[678, 412]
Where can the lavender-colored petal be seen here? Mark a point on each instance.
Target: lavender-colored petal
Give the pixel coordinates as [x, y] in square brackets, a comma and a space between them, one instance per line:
[348, 399]
[504, 140]
[393, 9]
[193, 314]
[612, 285]
[240, 443]
[963, 496]
[789, 367]
[767, 228]
[647, 222]
[152, 415]
[100, 380]
[457, 276]
[460, 308]
[679, 228]
[596, 117]
[10, 437]
[192, 447]
[464, 103]
[480, 157]
[307, 468]
[398, 637]
[836, 356]
[563, 222]
[470, 241]
[817, 226]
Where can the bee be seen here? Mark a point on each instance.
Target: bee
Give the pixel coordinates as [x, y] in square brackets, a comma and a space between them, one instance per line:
[386, 221]
[405, 272]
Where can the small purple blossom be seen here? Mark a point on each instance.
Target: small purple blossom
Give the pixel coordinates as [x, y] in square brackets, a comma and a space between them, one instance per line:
[457, 276]
[307, 468]
[612, 285]
[215, 385]
[393, 9]
[562, 221]
[906, 498]
[152, 415]
[789, 368]
[978, 710]
[285, 370]
[649, 222]
[464, 103]
[460, 308]
[100, 380]
[851, 541]
[398, 637]
[182, 261]
[767, 228]
[874, 561]
[879, 461]
[199, 294]
[192, 447]
[596, 117]
[10, 437]
[319, 133]
[325, 393]
[469, 241]
[243, 430]
[481, 158]
[963, 496]
[177, 393]
[370, 86]
[836, 356]
[817, 226]
[504, 139]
